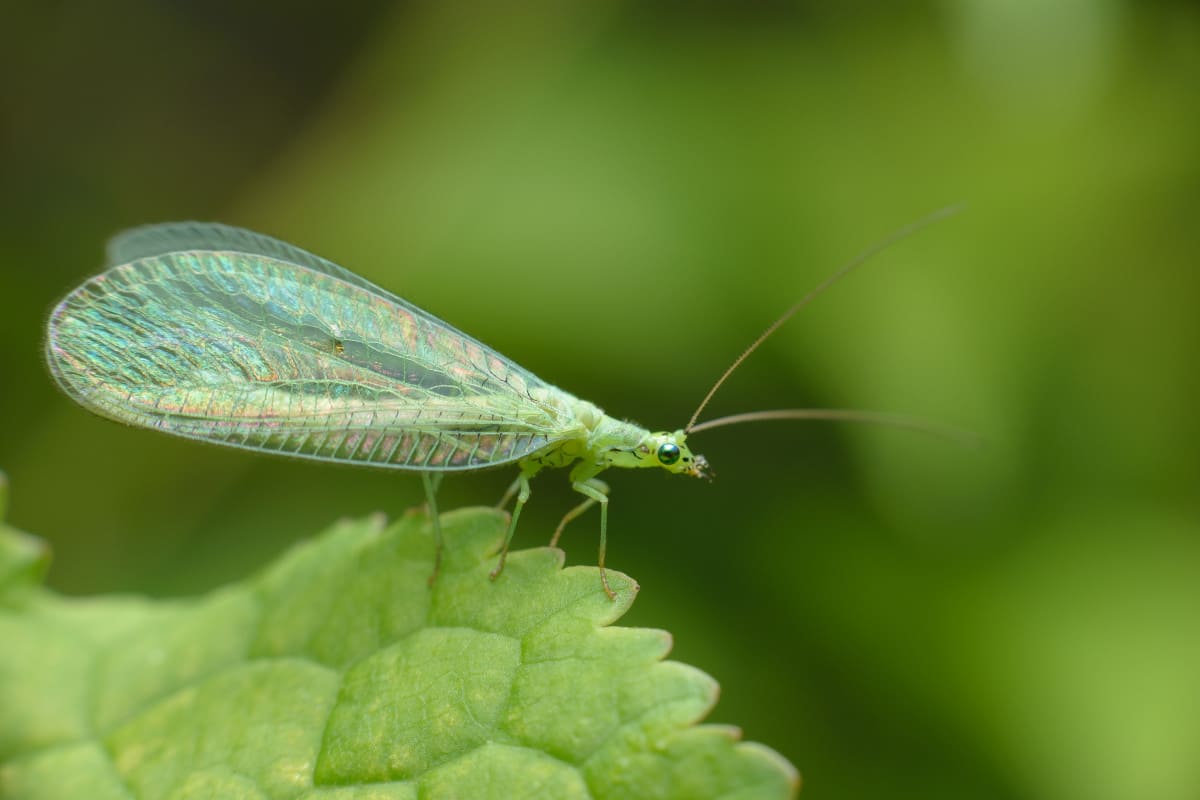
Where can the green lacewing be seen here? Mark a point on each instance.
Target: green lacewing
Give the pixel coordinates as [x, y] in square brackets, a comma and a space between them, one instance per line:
[217, 333]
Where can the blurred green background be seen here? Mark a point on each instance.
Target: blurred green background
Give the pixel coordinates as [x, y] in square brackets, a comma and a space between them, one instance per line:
[620, 196]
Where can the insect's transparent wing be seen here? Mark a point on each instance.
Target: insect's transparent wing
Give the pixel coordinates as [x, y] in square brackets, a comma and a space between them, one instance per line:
[263, 350]
[166, 238]
[152, 241]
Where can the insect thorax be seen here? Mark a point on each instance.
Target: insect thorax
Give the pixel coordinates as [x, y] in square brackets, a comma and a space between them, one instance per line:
[593, 434]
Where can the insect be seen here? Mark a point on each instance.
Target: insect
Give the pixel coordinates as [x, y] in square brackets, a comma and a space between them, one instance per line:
[212, 332]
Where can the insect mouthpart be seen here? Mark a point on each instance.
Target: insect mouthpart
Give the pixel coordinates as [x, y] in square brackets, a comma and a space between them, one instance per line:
[701, 469]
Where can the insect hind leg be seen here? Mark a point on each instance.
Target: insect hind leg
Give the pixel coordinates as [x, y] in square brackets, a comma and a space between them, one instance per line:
[432, 481]
[508, 495]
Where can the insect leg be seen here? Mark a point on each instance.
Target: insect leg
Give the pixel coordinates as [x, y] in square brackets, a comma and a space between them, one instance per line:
[577, 510]
[508, 494]
[432, 481]
[590, 488]
[522, 496]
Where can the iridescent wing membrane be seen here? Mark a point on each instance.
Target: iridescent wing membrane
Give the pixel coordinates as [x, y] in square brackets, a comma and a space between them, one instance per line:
[217, 333]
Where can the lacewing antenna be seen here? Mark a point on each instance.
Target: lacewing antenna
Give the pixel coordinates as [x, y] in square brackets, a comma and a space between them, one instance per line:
[957, 435]
[896, 236]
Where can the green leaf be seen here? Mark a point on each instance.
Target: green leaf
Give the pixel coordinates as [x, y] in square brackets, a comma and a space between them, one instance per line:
[23, 558]
[338, 673]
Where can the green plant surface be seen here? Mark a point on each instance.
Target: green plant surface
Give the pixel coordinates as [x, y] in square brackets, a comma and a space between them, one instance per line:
[338, 672]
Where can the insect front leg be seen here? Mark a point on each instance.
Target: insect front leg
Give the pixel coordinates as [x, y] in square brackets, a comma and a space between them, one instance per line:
[432, 480]
[579, 509]
[591, 489]
[523, 492]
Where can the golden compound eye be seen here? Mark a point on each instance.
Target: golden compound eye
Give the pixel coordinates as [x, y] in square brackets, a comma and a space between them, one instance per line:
[668, 453]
